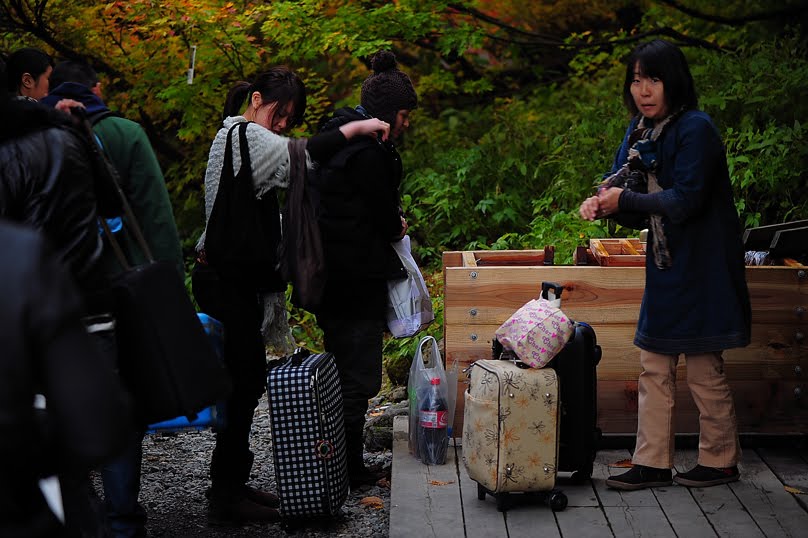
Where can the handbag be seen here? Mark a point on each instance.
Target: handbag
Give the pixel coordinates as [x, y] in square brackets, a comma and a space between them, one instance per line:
[241, 228]
[165, 359]
[409, 307]
[539, 329]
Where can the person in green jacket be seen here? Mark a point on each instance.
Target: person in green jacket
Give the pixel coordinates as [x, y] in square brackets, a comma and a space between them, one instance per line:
[128, 149]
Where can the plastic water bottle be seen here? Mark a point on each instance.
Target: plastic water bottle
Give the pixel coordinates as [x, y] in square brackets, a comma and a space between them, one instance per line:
[433, 422]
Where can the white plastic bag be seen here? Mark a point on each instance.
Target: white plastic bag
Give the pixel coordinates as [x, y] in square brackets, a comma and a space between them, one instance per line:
[422, 371]
[409, 307]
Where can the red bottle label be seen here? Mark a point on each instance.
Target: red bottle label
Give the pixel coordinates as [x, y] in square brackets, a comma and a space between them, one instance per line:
[434, 419]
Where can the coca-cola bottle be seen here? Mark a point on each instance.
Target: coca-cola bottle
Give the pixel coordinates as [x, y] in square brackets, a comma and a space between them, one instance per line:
[433, 418]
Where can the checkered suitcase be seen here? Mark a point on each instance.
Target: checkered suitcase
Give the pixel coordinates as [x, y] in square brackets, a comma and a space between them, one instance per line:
[308, 435]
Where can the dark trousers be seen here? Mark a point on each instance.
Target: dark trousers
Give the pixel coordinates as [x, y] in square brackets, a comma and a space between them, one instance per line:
[357, 348]
[126, 518]
[239, 310]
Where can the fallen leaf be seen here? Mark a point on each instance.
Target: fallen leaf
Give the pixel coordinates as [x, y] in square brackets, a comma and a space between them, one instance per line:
[795, 491]
[439, 483]
[383, 483]
[622, 463]
[372, 502]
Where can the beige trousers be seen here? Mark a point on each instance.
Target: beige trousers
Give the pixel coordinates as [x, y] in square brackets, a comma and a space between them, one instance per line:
[718, 427]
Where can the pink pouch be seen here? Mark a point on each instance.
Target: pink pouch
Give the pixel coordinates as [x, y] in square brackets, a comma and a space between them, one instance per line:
[537, 331]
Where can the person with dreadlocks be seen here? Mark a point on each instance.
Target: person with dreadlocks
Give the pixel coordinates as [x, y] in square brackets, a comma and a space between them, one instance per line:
[671, 175]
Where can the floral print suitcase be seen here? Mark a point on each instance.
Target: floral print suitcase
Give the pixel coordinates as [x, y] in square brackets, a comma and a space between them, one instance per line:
[510, 434]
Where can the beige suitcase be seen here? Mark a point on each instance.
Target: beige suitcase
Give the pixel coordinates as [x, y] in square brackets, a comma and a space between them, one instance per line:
[510, 433]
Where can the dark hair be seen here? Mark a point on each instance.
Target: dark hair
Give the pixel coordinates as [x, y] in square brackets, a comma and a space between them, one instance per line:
[665, 61]
[25, 60]
[73, 71]
[278, 84]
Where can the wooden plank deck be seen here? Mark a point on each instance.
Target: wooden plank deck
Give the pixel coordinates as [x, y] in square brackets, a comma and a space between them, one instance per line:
[441, 501]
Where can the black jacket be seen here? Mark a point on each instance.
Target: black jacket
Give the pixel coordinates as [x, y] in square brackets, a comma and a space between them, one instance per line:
[48, 180]
[359, 216]
[45, 349]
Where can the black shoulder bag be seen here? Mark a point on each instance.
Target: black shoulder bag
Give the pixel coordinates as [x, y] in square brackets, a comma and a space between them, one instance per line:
[165, 358]
[242, 230]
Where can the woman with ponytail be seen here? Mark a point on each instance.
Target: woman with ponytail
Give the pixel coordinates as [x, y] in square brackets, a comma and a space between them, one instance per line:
[253, 297]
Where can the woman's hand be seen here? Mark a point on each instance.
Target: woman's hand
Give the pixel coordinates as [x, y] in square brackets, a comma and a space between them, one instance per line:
[589, 208]
[366, 127]
[404, 227]
[609, 201]
[64, 105]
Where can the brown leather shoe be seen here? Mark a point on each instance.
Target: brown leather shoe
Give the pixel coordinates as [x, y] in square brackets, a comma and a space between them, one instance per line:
[264, 498]
[239, 509]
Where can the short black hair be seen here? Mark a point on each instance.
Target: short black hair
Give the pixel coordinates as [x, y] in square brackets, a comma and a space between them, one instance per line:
[665, 61]
[26, 60]
[73, 71]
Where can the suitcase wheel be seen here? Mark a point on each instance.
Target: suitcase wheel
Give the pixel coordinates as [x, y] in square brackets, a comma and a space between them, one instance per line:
[481, 492]
[504, 501]
[557, 501]
[582, 475]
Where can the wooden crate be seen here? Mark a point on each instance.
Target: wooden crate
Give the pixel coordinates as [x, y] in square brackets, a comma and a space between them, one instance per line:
[627, 252]
[483, 288]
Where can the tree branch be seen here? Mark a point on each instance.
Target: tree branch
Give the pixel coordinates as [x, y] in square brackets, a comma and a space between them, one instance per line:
[19, 19]
[542, 39]
[789, 11]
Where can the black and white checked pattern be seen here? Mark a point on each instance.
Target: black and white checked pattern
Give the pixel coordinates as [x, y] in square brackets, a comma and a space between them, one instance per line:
[308, 436]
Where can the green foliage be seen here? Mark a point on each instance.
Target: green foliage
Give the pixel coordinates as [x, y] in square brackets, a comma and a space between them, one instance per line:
[520, 102]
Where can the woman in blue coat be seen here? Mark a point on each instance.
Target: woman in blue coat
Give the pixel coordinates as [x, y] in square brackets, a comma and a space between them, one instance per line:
[670, 174]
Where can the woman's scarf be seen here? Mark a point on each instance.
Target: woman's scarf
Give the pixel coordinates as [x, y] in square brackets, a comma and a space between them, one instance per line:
[638, 174]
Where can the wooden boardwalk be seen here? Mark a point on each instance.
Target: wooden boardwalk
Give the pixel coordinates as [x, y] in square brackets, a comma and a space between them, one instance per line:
[441, 501]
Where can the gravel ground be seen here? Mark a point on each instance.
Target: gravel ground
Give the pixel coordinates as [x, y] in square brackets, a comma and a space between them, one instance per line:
[175, 476]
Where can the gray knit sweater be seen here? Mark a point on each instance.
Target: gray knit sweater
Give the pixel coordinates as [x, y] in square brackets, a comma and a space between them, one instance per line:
[269, 155]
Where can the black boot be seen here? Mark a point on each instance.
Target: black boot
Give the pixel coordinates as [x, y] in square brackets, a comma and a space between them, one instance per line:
[358, 474]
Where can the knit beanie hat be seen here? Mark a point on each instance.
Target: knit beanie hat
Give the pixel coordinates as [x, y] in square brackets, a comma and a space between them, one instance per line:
[387, 90]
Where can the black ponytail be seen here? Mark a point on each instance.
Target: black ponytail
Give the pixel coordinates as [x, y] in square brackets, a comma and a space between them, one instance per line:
[278, 84]
[234, 102]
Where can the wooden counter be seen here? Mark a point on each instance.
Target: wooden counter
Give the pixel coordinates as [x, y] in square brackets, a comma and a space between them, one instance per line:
[483, 288]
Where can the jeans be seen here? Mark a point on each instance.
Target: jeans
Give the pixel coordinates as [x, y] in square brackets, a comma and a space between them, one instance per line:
[121, 478]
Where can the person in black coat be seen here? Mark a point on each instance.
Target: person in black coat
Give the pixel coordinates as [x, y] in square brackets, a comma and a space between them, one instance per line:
[53, 179]
[46, 350]
[359, 217]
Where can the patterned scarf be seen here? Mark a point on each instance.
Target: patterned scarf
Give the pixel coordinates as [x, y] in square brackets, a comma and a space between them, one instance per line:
[639, 175]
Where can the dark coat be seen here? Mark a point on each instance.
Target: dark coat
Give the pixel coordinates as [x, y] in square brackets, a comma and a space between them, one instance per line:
[128, 148]
[359, 216]
[46, 350]
[701, 303]
[47, 182]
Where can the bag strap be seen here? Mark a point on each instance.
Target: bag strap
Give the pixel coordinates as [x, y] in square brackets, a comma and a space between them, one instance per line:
[132, 223]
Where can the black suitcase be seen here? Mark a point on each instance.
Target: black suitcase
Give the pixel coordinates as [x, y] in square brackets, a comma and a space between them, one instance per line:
[576, 366]
[308, 435]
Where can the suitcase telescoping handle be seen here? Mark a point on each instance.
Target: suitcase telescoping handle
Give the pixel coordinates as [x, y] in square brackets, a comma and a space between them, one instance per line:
[297, 357]
[556, 288]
